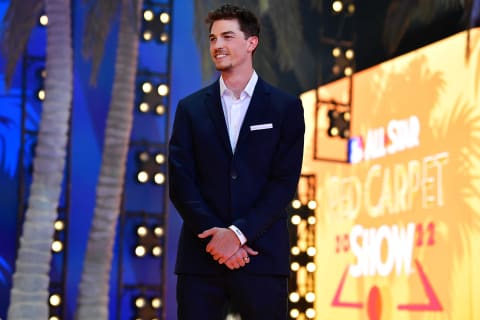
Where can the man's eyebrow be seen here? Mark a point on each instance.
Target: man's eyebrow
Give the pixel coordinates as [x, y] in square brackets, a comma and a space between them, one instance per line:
[222, 34]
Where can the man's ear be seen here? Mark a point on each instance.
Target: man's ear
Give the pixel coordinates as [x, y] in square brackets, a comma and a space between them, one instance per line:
[252, 43]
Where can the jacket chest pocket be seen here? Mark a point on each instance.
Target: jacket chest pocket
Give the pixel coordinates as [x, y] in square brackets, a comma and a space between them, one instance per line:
[263, 140]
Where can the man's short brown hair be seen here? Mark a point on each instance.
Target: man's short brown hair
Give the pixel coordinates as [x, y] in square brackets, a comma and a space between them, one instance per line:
[247, 20]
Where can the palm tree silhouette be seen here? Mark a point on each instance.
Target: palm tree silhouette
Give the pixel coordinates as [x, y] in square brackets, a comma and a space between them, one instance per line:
[406, 18]
[94, 286]
[29, 294]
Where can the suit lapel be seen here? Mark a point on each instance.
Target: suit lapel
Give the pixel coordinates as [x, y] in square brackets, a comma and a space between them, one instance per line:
[259, 105]
[214, 106]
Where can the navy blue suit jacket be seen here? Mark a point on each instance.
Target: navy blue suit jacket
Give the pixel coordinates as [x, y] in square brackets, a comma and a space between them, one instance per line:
[212, 187]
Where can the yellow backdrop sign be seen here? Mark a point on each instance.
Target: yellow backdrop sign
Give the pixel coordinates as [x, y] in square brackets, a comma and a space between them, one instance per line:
[398, 228]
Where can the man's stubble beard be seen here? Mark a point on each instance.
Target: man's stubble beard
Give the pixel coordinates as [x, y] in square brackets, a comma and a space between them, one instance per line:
[224, 68]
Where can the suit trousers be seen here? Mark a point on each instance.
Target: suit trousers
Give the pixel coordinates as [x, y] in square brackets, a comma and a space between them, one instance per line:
[212, 297]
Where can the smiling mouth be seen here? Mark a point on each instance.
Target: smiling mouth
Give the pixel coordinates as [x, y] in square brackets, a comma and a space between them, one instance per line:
[220, 55]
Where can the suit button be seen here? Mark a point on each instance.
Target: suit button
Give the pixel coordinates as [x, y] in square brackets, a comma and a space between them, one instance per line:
[234, 175]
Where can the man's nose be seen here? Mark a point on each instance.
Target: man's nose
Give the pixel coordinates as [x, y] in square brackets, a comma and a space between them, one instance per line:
[217, 44]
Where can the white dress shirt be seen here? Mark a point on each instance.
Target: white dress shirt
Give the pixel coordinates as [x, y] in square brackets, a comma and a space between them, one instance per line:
[234, 111]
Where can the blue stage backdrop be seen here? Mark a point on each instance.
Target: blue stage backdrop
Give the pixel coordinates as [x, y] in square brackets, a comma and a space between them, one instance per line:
[90, 107]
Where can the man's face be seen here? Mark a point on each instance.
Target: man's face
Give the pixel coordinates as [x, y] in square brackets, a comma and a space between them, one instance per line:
[228, 47]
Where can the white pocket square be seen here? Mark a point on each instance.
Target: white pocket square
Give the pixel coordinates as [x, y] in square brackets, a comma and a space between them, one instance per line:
[262, 126]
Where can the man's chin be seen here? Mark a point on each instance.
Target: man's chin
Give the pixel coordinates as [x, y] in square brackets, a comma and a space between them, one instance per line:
[223, 67]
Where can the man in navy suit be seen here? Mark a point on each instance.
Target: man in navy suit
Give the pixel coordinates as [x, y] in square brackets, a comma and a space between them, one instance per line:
[235, 158]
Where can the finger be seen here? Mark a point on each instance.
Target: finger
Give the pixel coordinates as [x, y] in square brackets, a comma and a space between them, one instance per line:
[250, 251]
[207, 233]
[241, 262]
[210, 248]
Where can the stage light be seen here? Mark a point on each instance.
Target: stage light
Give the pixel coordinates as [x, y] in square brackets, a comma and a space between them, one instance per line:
[147, 87]
[147, 35]
[147, 307]
[142, 231]
[336, 69]
[302, 250]
[158, 231]
[57, 246]
[347, 6]
[155, 26]
[345, 134]
[142, 177]
[294, 297]
[140, 302]
[149, 240]
[159, 178]
[148, 15]
[339, 122]
[160, 158]
[160, 109]
[343, 61]
[162, 89]
[295, 219]
[43, 20]
[296, 204]
[311, 267]
[156, 303]
[59, 225]
[295, 251]
[348, 71]
[311, 220]
[337, 6]
[310, 313]
[41, 94]
[143, 107]
[294, 313]
[140, 251]
[144, 156]
[349, 54]
[55, 300]
[151, 97]
[351, 8]
[295, 266]
[150, 167]
[336, 52]
[164, 37]
[310, 297]
[333, 131]
[157, 251]
[164, 17]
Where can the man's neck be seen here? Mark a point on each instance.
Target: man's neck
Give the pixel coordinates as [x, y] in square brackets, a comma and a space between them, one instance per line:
[237, 81]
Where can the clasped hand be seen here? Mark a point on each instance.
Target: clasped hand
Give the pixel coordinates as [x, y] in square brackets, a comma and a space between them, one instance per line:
[224, 246]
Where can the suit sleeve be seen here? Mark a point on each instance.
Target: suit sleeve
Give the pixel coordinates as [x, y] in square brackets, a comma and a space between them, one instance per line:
[184, 192]
[283, 179]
